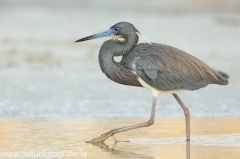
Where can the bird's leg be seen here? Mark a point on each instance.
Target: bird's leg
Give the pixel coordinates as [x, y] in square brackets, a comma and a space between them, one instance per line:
[106, 135]
[187, 115]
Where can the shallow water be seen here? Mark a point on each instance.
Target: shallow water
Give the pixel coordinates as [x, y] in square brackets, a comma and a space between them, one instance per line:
[217, 137]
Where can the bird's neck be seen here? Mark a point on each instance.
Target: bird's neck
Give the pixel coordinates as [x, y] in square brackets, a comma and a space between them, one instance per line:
[112, 48]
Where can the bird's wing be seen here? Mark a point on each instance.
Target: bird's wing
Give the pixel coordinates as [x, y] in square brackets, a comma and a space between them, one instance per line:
[166, 68]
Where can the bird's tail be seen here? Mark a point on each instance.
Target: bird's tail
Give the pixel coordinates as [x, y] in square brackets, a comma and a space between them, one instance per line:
[222, 78]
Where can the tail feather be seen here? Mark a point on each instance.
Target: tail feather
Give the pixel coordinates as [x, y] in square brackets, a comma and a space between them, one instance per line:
[224, 80]
[223, 74]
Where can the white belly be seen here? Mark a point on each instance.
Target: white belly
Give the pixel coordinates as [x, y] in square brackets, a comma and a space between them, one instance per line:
[154, 90]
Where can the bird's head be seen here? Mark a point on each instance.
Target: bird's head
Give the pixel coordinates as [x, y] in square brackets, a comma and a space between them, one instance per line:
[119, 32]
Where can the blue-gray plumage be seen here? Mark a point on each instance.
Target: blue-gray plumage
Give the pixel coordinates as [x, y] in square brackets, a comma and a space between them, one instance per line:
[158, 67]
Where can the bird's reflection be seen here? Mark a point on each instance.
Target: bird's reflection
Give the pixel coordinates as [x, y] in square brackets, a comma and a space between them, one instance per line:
[104, 146]
[125, 154]
[187, 149]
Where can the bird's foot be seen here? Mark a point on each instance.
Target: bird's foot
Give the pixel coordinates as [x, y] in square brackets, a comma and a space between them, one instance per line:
[103, 137]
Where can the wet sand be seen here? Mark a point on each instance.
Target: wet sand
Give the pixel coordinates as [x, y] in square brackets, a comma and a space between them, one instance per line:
[210, 138]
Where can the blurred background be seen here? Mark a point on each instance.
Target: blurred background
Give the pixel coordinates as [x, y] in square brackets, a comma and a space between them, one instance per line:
[44, 74]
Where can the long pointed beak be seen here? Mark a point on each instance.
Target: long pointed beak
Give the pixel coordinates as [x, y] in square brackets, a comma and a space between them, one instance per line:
[99, 35]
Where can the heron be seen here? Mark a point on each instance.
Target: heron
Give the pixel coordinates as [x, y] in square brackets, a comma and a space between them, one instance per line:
[158, 67]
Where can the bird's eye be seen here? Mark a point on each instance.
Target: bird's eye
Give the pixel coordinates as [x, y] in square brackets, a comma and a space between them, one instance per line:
[116, 29]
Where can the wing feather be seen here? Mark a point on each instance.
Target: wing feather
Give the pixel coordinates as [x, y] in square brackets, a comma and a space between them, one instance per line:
[167, 68]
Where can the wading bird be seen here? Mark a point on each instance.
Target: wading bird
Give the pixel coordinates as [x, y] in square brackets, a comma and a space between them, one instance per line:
[158, 67]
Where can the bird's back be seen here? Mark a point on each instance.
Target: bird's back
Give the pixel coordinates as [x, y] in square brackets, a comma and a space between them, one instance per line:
[167, 68]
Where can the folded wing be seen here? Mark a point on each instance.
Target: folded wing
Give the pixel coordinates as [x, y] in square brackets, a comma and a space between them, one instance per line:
[167, 68]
